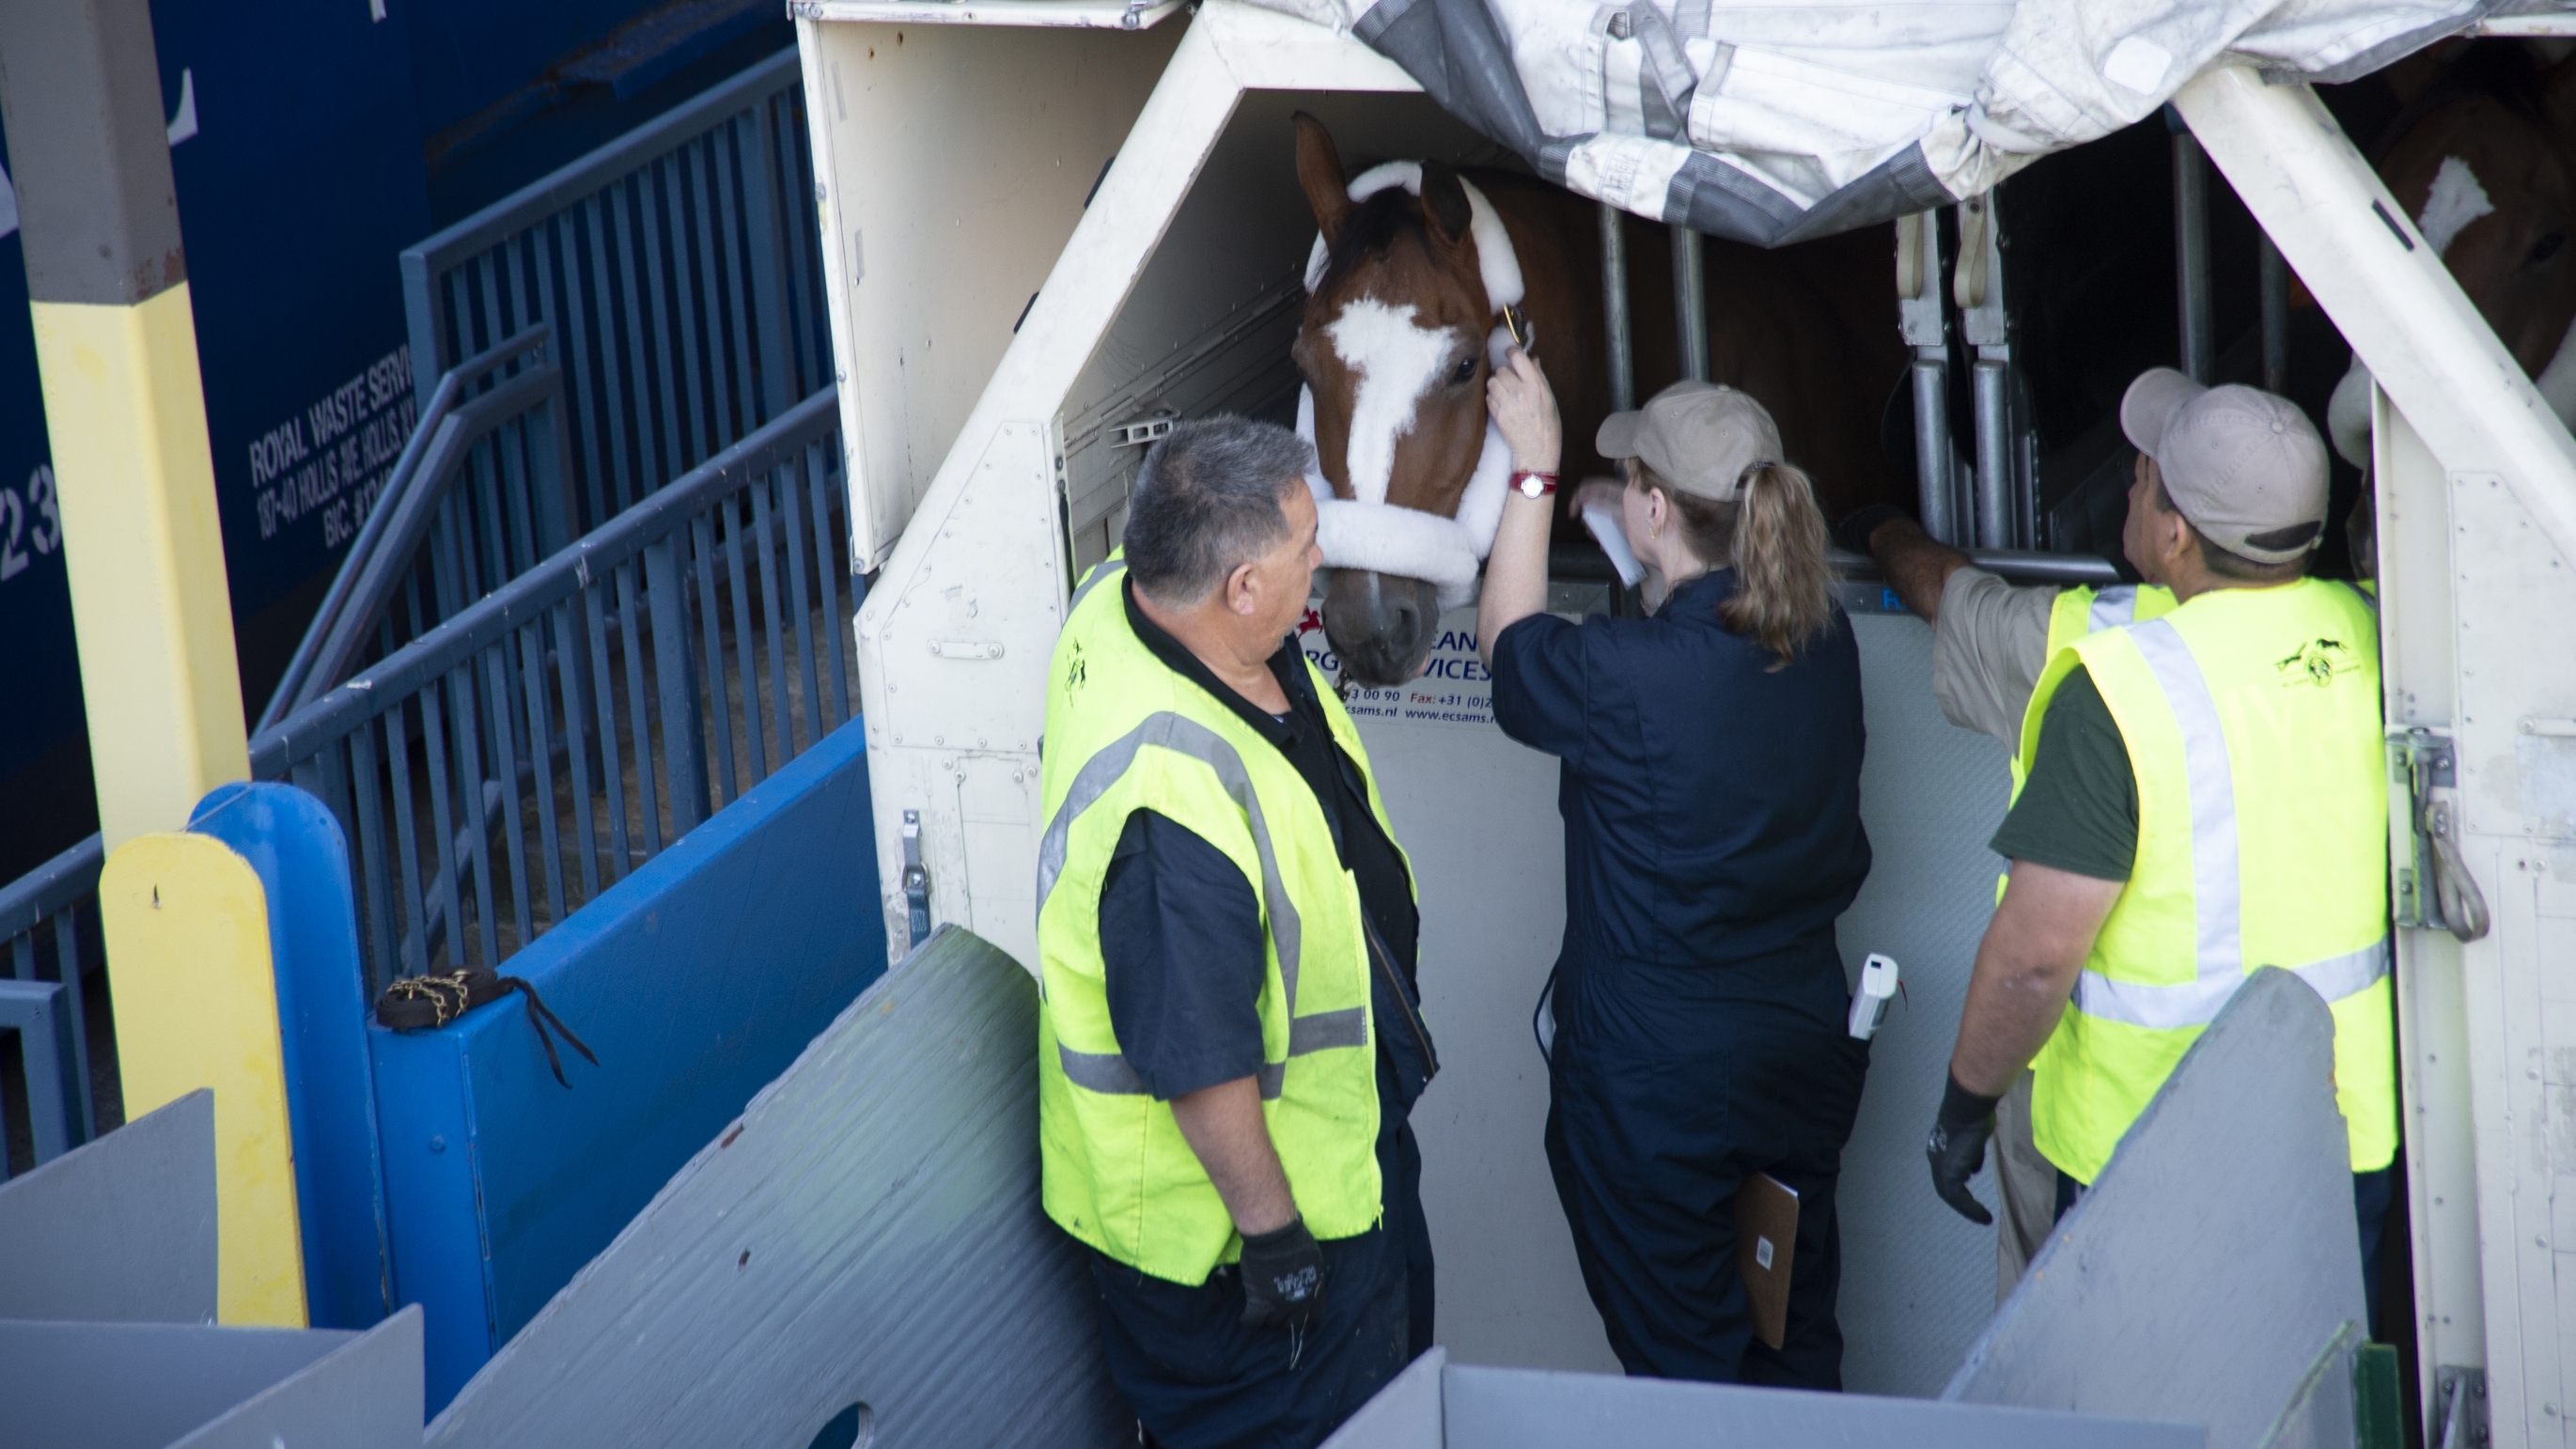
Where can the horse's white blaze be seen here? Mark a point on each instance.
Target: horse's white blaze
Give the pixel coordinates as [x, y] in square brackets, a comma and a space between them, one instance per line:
[1396, 360]
[2455, 200]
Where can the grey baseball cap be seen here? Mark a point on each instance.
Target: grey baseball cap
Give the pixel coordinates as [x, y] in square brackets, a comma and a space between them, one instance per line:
[1697, 436]
[2240, 463]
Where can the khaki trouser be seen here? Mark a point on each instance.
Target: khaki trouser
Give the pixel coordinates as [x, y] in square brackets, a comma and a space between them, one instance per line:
[2028, 1187]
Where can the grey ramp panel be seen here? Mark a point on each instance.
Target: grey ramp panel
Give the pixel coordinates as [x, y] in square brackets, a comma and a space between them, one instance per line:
[1918, 1280]
[139, 1385]
[867, 1232]
[1403, 1415]
[1490, 1408]
[363, 1394]
[120, 1229]
[2215, 1258]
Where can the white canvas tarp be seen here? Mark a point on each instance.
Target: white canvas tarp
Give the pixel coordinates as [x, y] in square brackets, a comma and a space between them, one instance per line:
[1772, 122]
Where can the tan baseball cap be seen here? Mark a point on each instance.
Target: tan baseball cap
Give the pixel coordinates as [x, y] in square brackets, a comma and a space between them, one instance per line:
[1697, 436]
[2240, 463]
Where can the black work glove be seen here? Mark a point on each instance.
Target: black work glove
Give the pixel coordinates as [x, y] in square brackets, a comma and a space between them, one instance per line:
[1854, 531]
[1958, 1148]
[1283, 1277]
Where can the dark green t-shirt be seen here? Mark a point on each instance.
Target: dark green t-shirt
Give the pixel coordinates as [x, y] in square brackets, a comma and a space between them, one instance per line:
[2078, 811]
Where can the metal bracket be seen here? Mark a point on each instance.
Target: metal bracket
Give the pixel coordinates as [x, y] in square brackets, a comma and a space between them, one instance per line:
[916, 878]
[2434, 891]
[2459, 1407]
[1141, 434]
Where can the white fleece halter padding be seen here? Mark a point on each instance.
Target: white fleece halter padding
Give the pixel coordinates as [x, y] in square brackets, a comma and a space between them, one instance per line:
[1367, 532]
[1494, 255]
[2455, 200]
[2348, 413]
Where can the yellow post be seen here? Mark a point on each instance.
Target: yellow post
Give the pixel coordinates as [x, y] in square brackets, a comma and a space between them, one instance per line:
[196, 1006]
[146, 557]
[117, 345]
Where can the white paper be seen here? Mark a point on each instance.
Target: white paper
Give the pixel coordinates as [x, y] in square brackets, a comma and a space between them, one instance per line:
[1604, 523]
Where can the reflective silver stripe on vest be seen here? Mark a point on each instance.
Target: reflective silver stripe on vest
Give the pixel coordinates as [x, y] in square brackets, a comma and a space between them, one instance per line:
[1101, 573]
[1180, 734]
[2112, 608]
[2217, 886]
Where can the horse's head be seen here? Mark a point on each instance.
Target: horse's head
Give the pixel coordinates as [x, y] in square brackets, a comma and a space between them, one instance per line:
[1394, 353]
[2484, 164]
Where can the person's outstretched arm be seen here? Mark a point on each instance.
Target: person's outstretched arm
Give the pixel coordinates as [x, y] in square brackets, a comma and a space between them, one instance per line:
[1524, 410]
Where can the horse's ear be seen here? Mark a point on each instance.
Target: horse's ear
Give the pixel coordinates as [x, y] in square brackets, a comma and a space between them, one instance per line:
[1319, 172]
[1444, 202]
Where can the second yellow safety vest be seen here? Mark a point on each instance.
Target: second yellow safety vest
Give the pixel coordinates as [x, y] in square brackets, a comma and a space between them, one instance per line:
[2252, 721]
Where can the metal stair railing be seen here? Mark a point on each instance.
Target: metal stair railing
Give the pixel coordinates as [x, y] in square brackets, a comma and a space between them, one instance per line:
[507, 766]
[492, 424]
[46, 915]
[680, 269]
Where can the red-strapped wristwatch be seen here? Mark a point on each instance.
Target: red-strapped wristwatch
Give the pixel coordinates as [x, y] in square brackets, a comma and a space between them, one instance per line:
[1529, 483]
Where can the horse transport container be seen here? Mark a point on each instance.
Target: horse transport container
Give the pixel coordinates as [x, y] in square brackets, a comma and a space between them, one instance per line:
[1135, 254]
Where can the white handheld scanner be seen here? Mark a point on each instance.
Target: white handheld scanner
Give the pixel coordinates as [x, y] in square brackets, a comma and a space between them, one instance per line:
[1869, 1003]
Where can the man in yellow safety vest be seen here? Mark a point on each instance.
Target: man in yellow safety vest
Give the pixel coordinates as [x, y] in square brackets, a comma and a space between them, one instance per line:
[1990, 640]
[1229, 1038]
[2201, 795]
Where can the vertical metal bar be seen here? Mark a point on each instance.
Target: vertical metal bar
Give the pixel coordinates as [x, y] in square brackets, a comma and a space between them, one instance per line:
[651, 455]
[729, 364]
[746, 642]
[631, 625]
[575, 351]
[442, 823]
[688, 304]
[84, 1111]
[497, 682]
[1614, 308]
[675, 675]
[827, 571]
[772, 620]
[2276, 316]
[464, 712]
[372, 869]
[569, 651]
[615, 464]
[800, 593]
[22, 956]
[702, 551]
[767, 226]
[2191, 257]
[1994, 454]
[1690, 303]
[1935, 488]
[415, 929]
[661, 349]
[612, 770]
[541, 733]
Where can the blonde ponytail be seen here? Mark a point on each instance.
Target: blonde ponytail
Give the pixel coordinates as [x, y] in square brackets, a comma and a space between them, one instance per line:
[1783, 595]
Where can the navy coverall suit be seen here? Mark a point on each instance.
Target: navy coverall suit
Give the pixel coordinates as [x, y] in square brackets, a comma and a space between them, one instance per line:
[1712, 836]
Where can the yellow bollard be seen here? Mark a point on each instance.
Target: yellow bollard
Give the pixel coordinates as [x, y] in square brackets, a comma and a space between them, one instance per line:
[196, 1006]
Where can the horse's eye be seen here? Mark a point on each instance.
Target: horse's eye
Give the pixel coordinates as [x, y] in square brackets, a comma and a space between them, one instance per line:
[2548, 246]
[1464, 373]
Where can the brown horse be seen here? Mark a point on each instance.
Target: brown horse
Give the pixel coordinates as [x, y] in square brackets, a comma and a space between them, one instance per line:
[2483, 156]
[1401, 330]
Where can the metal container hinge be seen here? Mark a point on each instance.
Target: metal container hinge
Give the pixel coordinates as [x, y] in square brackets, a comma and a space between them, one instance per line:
[2434, 891]
[916, 879]
[2459, 1408]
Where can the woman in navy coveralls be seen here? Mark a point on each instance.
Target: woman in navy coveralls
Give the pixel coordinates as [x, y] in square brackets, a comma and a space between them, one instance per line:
[1710, 786]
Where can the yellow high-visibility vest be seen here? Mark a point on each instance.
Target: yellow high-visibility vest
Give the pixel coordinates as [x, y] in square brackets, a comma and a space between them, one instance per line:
[2252, 721]
[1123, 733]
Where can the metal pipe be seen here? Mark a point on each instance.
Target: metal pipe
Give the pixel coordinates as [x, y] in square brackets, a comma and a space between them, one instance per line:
[2014, 565]
[1614, 308]
[1932, 462]
[2276, 318]
[1690, 304]
[2191, 257]
[1994, 455]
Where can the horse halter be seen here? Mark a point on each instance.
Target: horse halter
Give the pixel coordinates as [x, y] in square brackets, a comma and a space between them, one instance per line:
[1389, 538]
